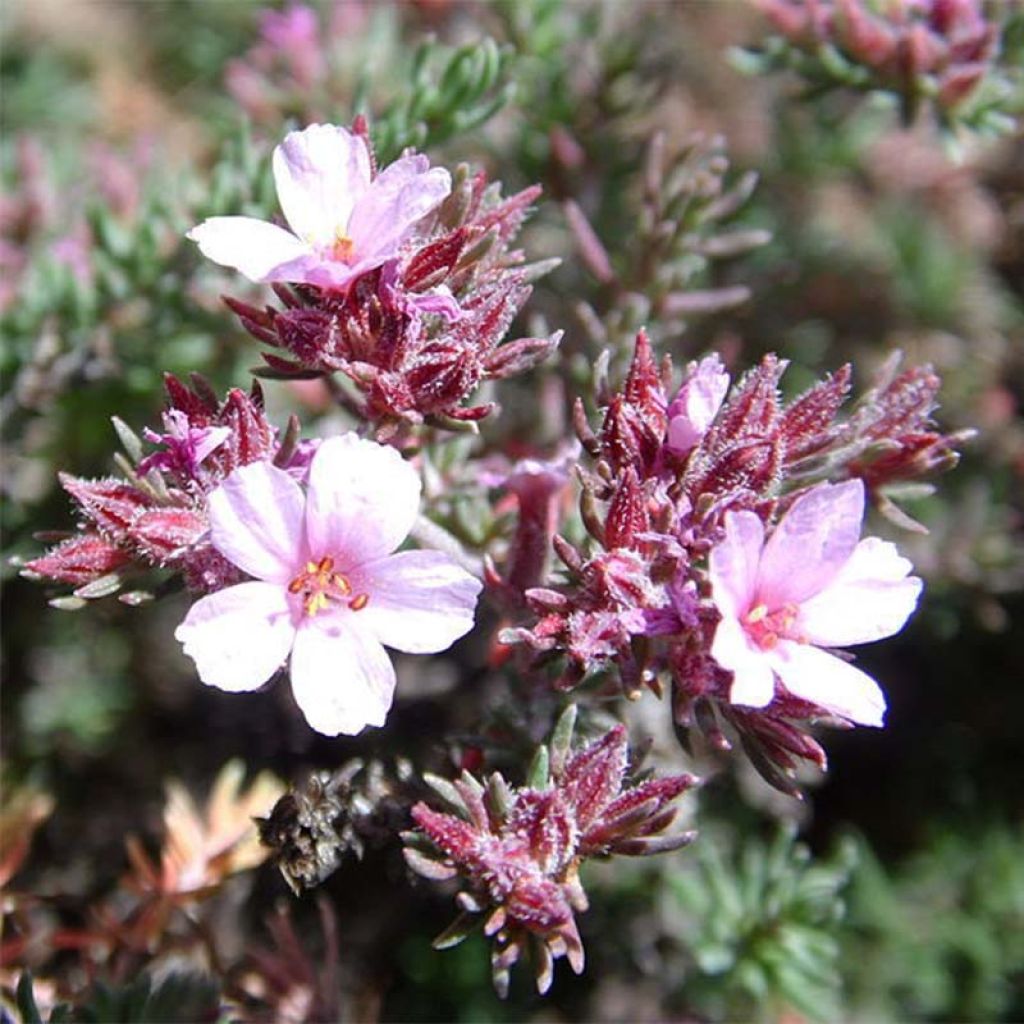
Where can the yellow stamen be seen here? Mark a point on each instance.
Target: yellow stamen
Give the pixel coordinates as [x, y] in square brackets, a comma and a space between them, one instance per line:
[343, 247]
[319, 585]
[767, 627]
[757, 614]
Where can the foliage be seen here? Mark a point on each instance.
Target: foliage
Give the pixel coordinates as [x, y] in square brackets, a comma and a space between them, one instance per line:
[759, 924]
[941, 937]
[620, 200]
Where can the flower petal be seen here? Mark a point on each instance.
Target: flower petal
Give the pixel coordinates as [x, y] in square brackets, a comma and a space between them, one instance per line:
[304, 270]
[420, 601]
[363, 499]
[321, 173]
[400, 195]
[207, 440]
[697, 403]
[822, 678]
[238, 637]
[342, 678]
[438, 301]
[331, 274]
[732, 564]
[753, 683]
[257, 520]
[254, 247]
[871, 597]
[811, 543]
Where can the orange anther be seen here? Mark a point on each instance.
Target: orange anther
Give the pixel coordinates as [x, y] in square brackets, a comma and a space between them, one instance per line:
[342, 249]
[319, 584]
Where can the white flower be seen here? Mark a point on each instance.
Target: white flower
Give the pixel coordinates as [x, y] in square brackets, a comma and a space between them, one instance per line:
[344, 221]
[327, 590]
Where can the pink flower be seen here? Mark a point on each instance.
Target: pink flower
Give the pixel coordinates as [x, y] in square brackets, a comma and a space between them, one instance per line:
[187, 446]
[345, 220]
[812, 585]
[696, 404]
[327, 588]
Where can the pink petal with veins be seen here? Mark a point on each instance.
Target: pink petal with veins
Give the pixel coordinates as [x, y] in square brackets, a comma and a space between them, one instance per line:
[363, 500]
[254, 247]
[871, 597]
[400, 195]
[238, 637]
[257, 518]
[422, 601]
[753, 683]
[811, 543]
[823, 679]
[733, 564]
[321, 174]
[342, 678]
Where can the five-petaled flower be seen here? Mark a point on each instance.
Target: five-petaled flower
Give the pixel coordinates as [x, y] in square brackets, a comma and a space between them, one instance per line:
[345, 220]
[327, 588]
[812, 585]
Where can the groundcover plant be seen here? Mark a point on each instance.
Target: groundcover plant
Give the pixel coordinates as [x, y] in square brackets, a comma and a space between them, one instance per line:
[472, 505]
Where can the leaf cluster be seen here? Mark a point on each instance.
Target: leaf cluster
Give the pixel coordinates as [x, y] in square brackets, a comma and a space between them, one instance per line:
[758, 927]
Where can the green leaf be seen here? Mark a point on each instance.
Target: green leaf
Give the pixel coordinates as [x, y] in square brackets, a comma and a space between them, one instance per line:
[561, 740]
[539, 775]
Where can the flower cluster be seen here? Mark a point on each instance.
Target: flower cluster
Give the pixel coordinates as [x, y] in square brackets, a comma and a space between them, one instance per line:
[520, 850]
[39, 217]
[287, 61]
[400, 279]
[682, 583]
[304, 575]
[724, 557]
[156, 515]
[937, 51]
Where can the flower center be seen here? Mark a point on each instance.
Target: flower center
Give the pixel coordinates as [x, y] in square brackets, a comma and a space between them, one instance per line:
[766, 627]
[318, 585]
[343, 247]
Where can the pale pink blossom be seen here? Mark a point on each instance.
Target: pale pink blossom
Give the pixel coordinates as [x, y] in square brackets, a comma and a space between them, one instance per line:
[344, 220]
[327, 589]
[811, 586]
[696, 404]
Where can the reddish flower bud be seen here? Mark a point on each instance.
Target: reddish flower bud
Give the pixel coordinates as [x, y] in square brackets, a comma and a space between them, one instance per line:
[165, 534]
[865, 36]
[956, 85]
[433, 263]
[79, 560]
[807, 423]
[643, 388]
[198, 406]
[753, 409]
[112, 505]
[627, 513]
[747, 469]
